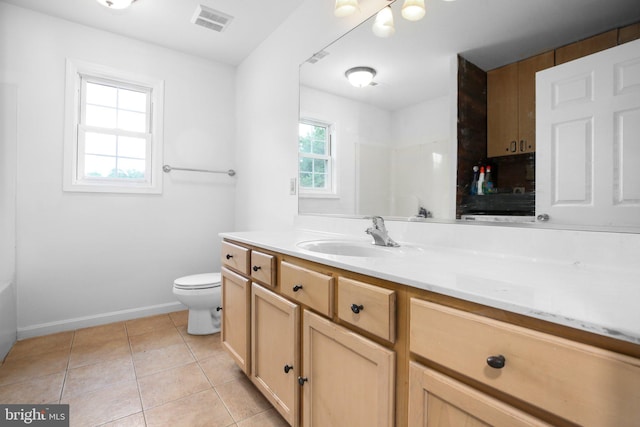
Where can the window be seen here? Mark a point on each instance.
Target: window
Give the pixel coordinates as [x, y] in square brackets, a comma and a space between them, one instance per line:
[113, 140]
[315, 158]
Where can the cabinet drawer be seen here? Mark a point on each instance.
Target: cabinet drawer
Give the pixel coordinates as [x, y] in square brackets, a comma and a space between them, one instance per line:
[368, 307]
[263, 268]
[580, 383]
[235, 257]
[308, 287]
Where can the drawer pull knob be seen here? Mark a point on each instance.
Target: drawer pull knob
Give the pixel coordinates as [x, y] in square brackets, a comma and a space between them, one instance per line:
[296, 288]
[357, 308]
[229, 256]
[496, 362]
[256, 267]
[302, 380]
[287, 368]
[218, 308]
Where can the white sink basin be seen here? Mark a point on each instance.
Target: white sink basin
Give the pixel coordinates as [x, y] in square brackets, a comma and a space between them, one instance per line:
[348, 248]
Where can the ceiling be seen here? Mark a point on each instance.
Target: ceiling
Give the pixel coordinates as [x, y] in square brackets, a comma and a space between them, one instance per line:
[414, 64]
[488, 33]
[168, 23]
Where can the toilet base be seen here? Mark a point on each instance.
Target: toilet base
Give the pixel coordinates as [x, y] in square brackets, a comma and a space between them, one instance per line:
[203, 322]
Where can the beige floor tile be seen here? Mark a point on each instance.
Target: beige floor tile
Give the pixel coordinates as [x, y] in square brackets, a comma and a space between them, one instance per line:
[104, 405]
[99, 334]
[35, 391]
[135, 420]
[40, 345]
[197, 410]
[25, 368]
[242, 399]
[268, 418]
[98, 375]
[204, 346]
[155, 339]
[221, 369]
[148, 324]
[156, 360]
[180, 318]
[99, 352]
[162, 387]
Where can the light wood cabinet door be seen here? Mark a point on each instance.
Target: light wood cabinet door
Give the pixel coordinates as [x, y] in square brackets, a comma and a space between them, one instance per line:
[235, 333]
[436, 400]
[346, 379]
[275, 345]
[511, 106]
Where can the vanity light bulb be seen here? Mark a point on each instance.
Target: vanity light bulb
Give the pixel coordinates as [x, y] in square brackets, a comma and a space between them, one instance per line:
[383, 24]
[116, 4]
[413, 10]
[346, 8]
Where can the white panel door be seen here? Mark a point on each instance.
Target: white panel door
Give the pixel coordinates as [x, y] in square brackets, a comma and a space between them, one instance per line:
[588, 139]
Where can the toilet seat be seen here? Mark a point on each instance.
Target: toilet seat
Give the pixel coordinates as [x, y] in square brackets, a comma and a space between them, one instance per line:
[198, 281]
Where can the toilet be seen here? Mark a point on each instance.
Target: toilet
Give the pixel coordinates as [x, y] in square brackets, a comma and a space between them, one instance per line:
[201, 294]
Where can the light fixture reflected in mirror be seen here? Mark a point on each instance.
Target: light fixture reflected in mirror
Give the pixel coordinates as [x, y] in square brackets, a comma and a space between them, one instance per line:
[116, 4]
[383, 24]
[413, 10]
[360, 76]
[345, 7]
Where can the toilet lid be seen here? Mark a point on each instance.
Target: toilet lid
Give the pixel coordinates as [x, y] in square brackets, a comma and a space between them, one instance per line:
[198, 281]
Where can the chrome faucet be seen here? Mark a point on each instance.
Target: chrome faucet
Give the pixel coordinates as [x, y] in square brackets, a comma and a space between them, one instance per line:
[379, 233]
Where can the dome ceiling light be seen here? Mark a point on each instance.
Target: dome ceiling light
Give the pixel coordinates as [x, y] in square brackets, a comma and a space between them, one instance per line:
[116, 4]
[360, 76]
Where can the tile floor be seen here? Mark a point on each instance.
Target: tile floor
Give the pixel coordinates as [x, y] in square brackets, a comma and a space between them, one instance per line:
[142, 372]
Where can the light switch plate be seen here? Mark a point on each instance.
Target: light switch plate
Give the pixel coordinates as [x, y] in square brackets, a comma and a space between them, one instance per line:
[293, 186]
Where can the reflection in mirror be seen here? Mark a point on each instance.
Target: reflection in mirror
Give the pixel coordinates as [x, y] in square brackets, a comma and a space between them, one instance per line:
[394, 147]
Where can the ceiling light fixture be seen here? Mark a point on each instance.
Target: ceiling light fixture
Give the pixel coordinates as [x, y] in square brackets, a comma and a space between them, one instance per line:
[346, 7]
[383, 24]
[413, 10]
[360, 76]
[116, 4]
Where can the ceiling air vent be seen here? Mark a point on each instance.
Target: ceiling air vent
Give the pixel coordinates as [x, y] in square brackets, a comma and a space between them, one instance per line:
[211, 18]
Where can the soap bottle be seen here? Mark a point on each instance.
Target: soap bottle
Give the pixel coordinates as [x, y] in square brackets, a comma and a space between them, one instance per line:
[488, 182]
[481, 181]
[474, 183]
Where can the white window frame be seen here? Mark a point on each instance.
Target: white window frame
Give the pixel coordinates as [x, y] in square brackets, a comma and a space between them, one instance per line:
[331, 191]
[77, 74]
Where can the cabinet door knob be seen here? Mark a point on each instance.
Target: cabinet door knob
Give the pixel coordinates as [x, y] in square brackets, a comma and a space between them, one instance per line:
[256, 267]
[496, 362]
[357, 308]
[218, 308]
[302, 380]
[296, 288]
[229, 256]
[287, 368]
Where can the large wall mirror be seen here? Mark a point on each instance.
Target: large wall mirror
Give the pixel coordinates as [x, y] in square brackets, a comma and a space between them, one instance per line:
[390, 148]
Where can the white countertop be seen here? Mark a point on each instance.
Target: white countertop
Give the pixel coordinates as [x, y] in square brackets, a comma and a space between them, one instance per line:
[590, 297]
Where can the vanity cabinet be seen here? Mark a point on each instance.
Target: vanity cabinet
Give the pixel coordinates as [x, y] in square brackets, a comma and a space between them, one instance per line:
[347, 379]
[235, 329]
[579, 383]
[511, 106]
[275, 350]
[438, 400]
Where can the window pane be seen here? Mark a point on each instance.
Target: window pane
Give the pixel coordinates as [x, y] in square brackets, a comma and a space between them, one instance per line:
[101, 116]
[319, 147]
[306, 164]
[135, 122]
[132, 147]
[131, 168]
[132, 100]
[99, 166]
[101, 95]
[99, 143]
[306, 180]
[319, 166]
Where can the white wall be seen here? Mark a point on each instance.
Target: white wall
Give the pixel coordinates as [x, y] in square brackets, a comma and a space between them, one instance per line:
[8, 135]
[90, 258]
[267, 112]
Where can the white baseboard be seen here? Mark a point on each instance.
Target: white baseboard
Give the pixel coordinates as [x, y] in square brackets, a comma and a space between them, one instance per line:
[96, 320]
